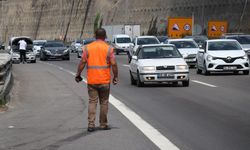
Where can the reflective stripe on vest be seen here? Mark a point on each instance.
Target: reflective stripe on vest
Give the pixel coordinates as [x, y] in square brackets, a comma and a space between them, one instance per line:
[99, 67]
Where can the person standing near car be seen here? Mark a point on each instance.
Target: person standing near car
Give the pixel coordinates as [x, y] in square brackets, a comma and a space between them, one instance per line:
[22, 50]
[99, 58]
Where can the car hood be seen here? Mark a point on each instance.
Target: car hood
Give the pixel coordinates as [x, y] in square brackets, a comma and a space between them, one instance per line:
[226, 53]
[37, 47]
[162, 62]
[187, 51]
[123, 44]
[246, 46]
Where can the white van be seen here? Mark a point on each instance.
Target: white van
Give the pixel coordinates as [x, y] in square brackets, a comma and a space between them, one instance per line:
[121, 43]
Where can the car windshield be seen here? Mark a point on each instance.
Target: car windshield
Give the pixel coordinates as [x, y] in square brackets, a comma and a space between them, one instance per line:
[184, 44]
[223, 45]
[147, 41]
[241, 39]
[123, 40]
[38, 43]
[56, 44]
[162, 39]
[159, 52]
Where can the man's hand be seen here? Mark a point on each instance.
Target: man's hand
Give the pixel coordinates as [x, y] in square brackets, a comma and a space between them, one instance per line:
[115, 80]
[78, 79]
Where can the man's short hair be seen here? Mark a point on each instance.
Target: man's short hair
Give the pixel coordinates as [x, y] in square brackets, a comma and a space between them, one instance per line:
[100, 33]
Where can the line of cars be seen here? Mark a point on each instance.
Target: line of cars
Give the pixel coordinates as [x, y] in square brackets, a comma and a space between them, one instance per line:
[152, 61]
[38, 48]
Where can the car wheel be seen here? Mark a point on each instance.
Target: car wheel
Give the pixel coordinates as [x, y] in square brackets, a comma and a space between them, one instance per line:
[185, 83]
[138, 81]
[132, 80]
[246, 72]
[206, 72]
[34, 61]
[198, 71]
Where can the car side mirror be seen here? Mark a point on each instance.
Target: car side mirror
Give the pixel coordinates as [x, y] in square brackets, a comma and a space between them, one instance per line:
[135, 57]
[201, 51]
[131, 45]
[200, 46]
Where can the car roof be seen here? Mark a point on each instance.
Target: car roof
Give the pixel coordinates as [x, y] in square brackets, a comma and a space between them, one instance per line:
[156, 45]
[121, 35]
[221, 40]
[39, 40]
[180, 40]
[146, 36]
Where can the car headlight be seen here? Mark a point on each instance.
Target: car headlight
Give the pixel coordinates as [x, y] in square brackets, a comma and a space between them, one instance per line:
[245, 56]
[181, 67]
[209, 58]
[48, 52]
[66, 51]
[148, 68]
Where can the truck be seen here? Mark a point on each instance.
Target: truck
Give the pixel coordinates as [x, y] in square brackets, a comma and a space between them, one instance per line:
[130, 30]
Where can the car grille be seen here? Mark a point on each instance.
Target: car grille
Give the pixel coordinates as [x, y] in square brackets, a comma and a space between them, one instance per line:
[56, 51]
[222, 66]
[191, 56]
[228, 59]
[165, 68]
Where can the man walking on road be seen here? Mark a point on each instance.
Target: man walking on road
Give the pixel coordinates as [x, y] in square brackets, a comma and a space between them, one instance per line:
[99, 58]
[22, 50]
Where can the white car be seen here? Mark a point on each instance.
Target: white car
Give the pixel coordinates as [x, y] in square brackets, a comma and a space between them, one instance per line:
[37, 46]
[223, 55]
[141, 40]
[188, 49]
[158, 63]
[121, 43]
[14, 49]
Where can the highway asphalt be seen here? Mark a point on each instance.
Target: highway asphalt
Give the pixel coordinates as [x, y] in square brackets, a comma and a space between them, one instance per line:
[48, 110]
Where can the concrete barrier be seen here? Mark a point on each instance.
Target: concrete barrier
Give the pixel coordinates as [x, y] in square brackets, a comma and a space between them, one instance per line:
[6, 78]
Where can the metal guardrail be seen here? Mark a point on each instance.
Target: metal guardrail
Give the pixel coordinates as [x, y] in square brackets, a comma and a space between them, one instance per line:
[5, 77]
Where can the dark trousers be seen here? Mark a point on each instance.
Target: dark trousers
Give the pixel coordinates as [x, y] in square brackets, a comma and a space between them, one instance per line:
[22, 55]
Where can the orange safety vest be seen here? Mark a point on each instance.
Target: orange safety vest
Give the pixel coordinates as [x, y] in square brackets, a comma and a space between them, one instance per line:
[98, 62]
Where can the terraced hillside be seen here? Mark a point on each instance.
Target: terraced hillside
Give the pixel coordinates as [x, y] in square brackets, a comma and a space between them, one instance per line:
[69, 19]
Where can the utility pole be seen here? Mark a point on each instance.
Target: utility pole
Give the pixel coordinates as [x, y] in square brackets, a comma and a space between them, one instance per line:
[67, 29]
[242, 15]
[85, 17]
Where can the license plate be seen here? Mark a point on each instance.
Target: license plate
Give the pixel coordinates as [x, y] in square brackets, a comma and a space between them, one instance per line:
[57, 54]
[230, 68]
[165, 75]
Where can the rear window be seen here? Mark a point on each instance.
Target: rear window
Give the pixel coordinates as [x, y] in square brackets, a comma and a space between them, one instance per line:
[241, 39]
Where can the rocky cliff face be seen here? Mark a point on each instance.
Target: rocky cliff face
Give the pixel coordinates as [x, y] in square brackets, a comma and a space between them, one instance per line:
[54, 19]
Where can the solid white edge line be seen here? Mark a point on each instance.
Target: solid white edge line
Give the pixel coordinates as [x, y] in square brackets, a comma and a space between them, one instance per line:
[148, 130]
[203, 83]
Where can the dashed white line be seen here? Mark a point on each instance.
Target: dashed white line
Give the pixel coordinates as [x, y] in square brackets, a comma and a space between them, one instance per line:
[148, 130]
[126, 65]
[203, 83]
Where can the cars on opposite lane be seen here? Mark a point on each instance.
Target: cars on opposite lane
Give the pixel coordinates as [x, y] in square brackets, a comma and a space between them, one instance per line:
[121, 43]
[158, 63]
[85, 42]
[222, 55]
[37, 46]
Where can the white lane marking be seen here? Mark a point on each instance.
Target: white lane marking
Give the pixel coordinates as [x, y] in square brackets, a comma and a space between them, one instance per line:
[148, 130]
[126, 65]
[203, 83]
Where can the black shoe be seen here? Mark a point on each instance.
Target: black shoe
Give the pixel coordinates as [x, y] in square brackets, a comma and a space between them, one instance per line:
[91, 129]
[105, 128]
